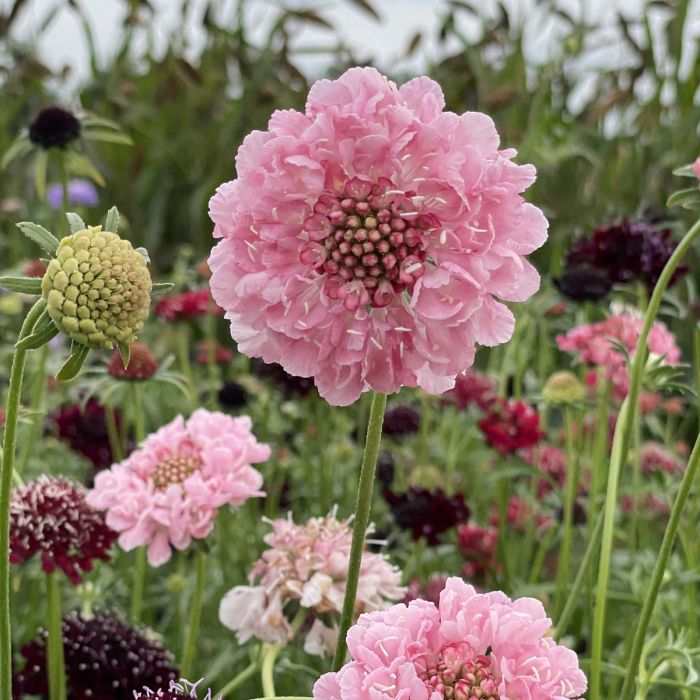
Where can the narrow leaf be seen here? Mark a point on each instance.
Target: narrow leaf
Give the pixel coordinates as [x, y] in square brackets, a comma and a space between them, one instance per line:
[39, 235]
[75, 222]
[684, 198]
[20, 147]
[125, 352]
[23, 285]
[80, 165]
[38, 338]
[73, 364]
[107, 136]
[112, 222]
[685, 171]
[160, 288]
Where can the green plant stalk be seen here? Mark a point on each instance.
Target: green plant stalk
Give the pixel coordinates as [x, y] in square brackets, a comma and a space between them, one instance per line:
[55, 660]
[359, 530]
[696, 363]
[669, 539]
[195, 614]
[621, 444]
[212, 369]
[182, 339]
[8, 466]
[139, 583]
[239, 680]
[36, 401]
[267, 669]
[564, 562]
[502, 540]
[115, 441]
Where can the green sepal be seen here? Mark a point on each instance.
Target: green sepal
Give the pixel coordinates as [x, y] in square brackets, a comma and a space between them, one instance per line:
[125, 352]
[73, 364]
[688, 199]
[112, 221]
[160, 288]
[685, 171]
[143, 252]
[23, 285]
[75, 222]
[39, 235]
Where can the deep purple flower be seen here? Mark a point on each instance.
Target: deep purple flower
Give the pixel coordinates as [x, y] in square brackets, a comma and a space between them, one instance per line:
[427, 513]
[54, 127]
[285, 382]
[584, 284]
[401, 420]
[232, 395]
[80, 192]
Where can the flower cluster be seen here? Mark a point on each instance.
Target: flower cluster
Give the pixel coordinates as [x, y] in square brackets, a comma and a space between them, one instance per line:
[592, 343]
[186, 305]
[306, 564]
[50, 517]
[511, 425]
[366, 240]
[104, 660]
[471, 645]
[169, 490]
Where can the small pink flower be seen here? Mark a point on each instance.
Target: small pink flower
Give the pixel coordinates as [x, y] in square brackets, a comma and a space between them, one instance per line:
[696, 168]
[592, 343]
[170, 489]
[470, 646]
[654, 457]
[366, 241]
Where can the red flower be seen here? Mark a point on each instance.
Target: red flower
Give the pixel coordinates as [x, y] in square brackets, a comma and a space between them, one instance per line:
[187, 305]
[510, 426]
[472, 388]
[222, 355]
[142, 365]
[479, 545]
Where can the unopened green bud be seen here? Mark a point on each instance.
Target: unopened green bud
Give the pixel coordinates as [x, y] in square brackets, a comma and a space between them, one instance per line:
[563, 388]
[97, 288]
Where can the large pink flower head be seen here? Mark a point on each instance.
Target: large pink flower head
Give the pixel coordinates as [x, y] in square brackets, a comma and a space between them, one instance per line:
[307, 564]
[170, 489]
[470, 646]
[592, 343]
[365, 241]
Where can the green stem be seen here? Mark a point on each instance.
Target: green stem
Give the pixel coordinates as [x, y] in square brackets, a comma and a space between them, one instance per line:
[139, 584]
[182, 338]
[359, 530]
[8, 466]
[212, 369]
[240, 679]
[115, 442]
[64, 188]
[195, 615]
[621, 445]
[632, 662]
[36, 402]
[502, 541]
[267, 669]
[55, 661]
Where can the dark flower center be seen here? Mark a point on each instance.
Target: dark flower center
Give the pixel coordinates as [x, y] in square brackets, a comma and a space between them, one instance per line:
[54, 127]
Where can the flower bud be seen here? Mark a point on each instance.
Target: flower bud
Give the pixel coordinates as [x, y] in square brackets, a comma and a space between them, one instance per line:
[97, 288]
[563, 388]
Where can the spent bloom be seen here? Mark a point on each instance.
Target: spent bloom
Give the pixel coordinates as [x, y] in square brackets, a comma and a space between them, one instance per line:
[306, 564]
[471, 645]
[169, 490]
[104, 660]
[50, 517]
[511, 425]
[592, 343]
[80, 192]
[366, 240]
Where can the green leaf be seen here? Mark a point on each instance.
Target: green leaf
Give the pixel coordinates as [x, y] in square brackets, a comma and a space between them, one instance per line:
[40, 165]
[160, 288]
[38, 338]
[112, 222]
[107, 136]
[73, 364]
[39, 235]
[79, 165]
[23, 285]
[685, 171]
[688, 198]
[75, 222]
[90, 122]
[19, 148]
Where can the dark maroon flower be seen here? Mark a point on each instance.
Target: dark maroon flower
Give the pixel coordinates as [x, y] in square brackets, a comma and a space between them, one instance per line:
[222, 354]
[385, 469]
[479, 547]
[401, 420]
[85, 431]
[35, 268]
[473, 388]
[584, 284]
[427, 513]
[232, 396]
[54, 127]
[105, 660]
[187, 305]
[510, 426]
[50, 517]
[285, 382]
[142, 365]
[425, 590]
[626, 251]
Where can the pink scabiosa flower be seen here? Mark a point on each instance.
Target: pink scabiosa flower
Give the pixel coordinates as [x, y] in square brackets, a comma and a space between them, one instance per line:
[306, 564]
[592, 344]
[654, 457]
[471, 645]
[169, 490]
[51, 517]
[366, 240]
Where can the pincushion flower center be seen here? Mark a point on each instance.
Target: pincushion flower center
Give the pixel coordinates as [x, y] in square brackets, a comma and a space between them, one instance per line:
[370, 241]
[462, 674]
[174, 470]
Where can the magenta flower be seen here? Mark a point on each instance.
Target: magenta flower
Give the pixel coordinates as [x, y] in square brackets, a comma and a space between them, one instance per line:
[470, 646]
[170, 489]
[592, 343]
[366, 240]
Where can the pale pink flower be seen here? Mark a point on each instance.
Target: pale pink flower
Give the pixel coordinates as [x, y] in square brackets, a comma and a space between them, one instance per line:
[470, 646]
[365, 241]
[593, 344]
[307, 564]
[654, 457]
[170, 489]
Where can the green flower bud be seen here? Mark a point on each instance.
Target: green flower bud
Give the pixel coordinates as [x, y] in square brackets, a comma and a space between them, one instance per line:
[97, 288]
[563, 388]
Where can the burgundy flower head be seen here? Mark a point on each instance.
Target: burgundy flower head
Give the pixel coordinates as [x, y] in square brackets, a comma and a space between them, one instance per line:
[473, 388]
[479, 546]
[285, 382]
[221, 355]
[142, 365]
[105, 660]
[584, 284]
[54, 127]
[187, 305]
[510, 426]
[50, 517]
[425, 590]
[85, 431]
[427, 513]
[401, 420]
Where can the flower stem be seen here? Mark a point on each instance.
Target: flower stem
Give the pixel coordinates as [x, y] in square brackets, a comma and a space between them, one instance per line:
[55, 660]
[182, 338]
[212, 369]
[195, 615]
[8, 465]
[139, 583]
[621, 445]
[267, 668]
[632, 662]
[36, 402]
[240, 679]
[359, 530]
